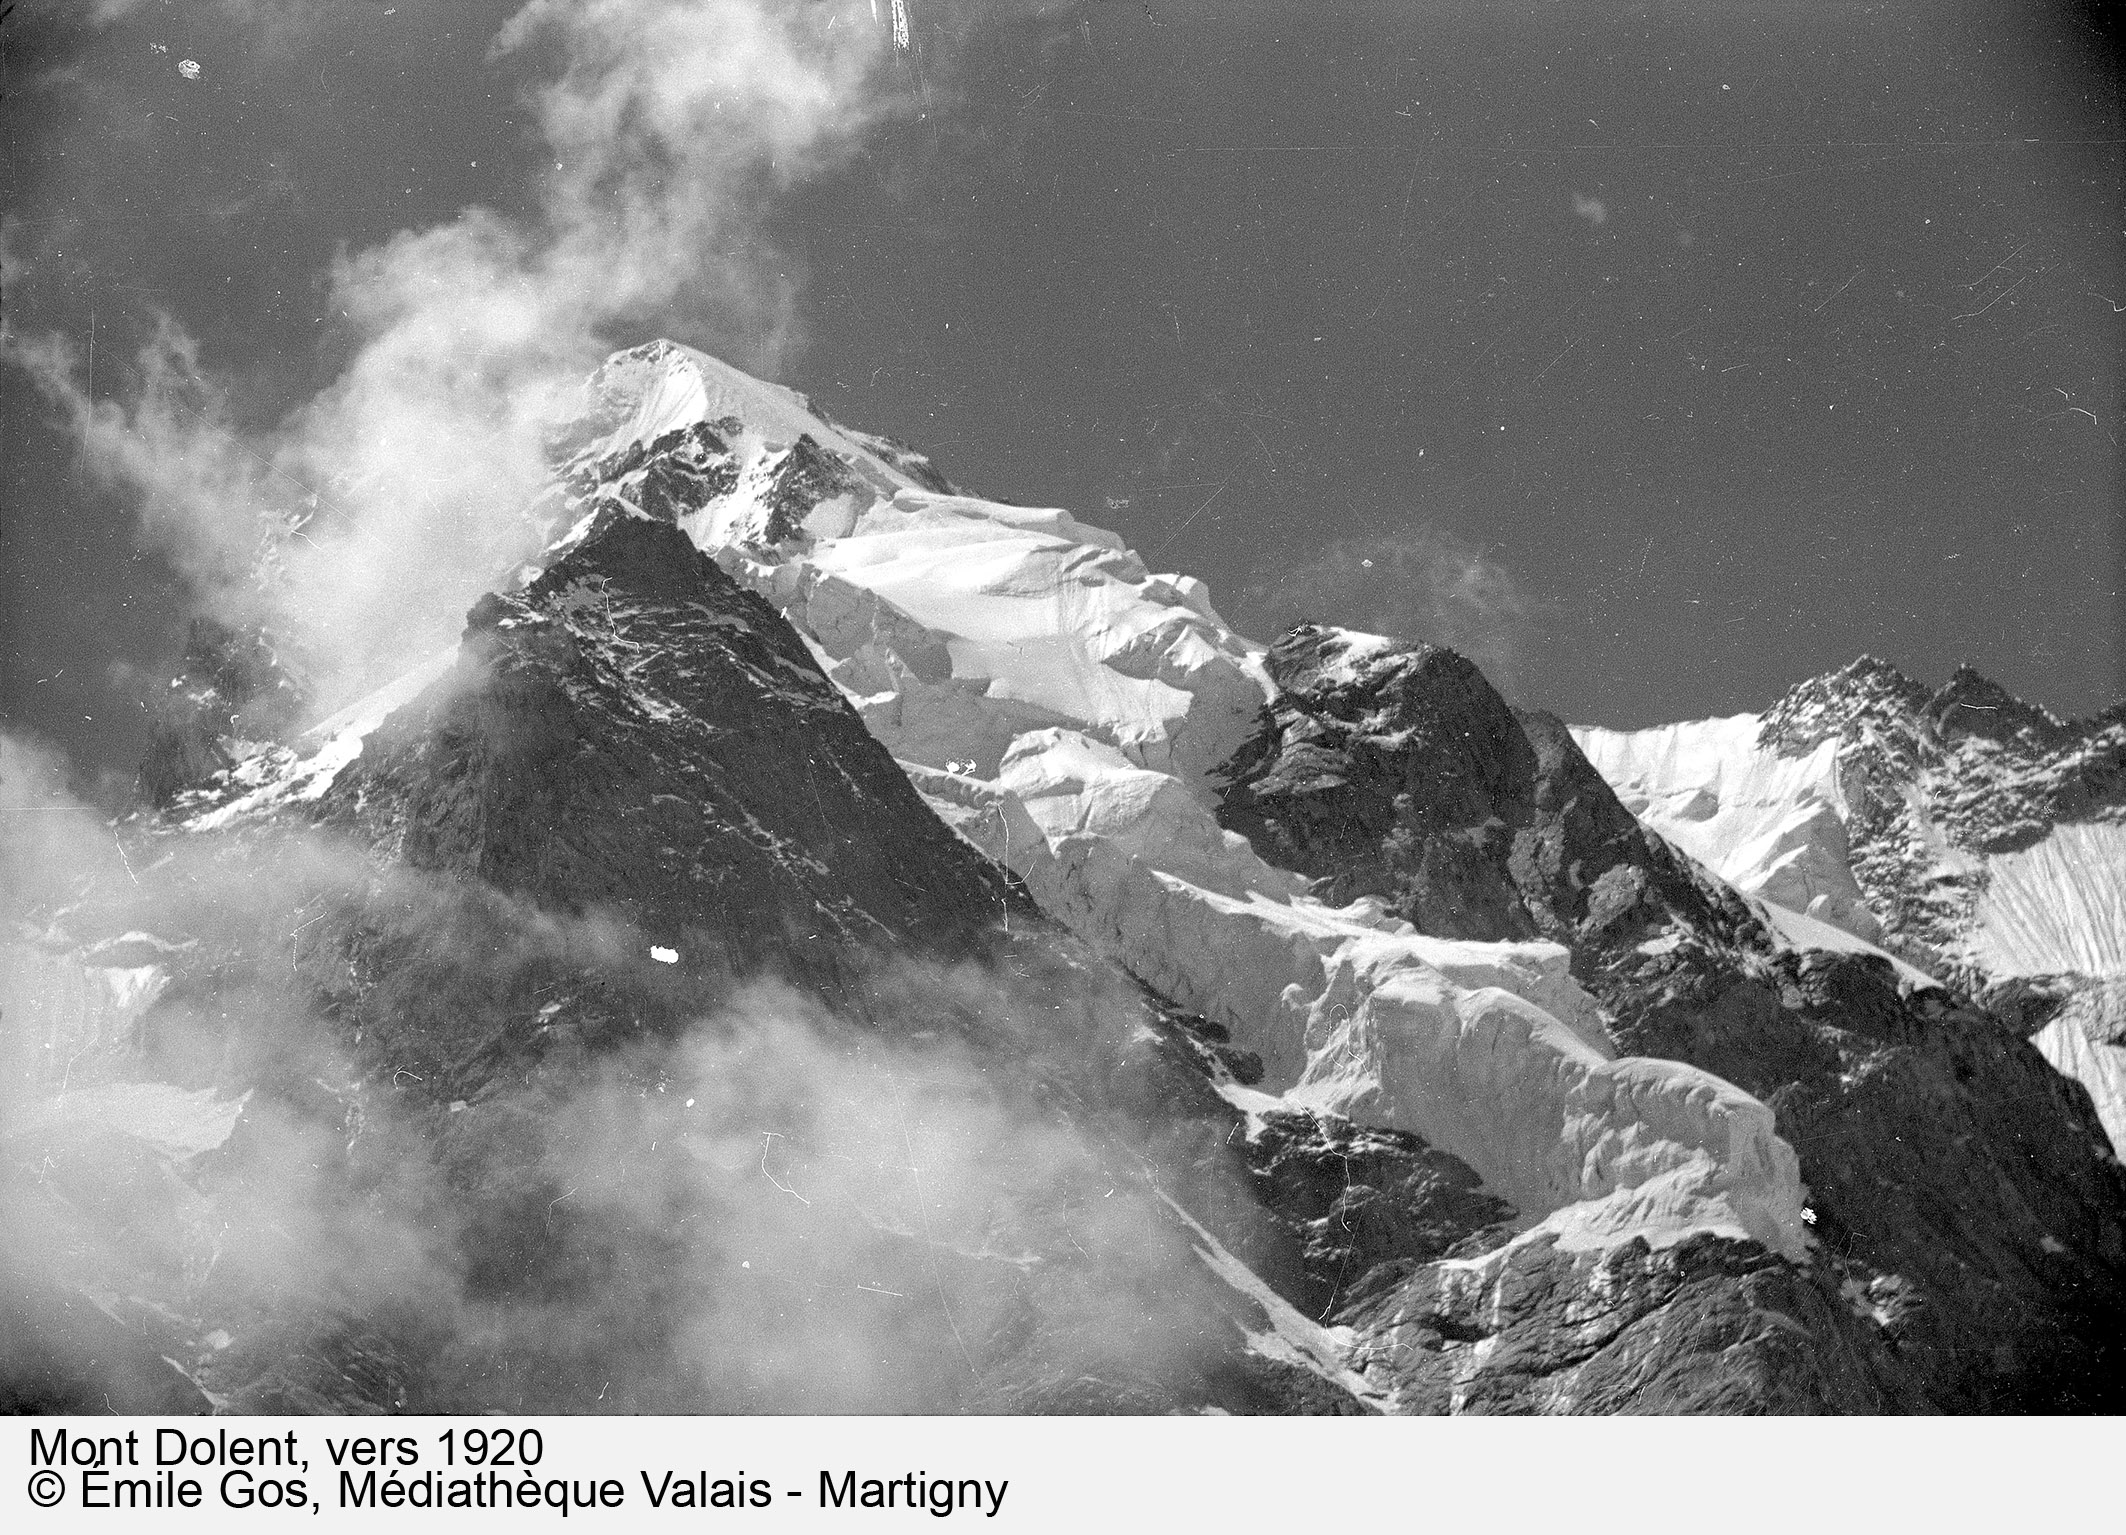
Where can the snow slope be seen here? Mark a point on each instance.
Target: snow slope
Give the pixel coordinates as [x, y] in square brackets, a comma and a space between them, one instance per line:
[2057, 906]
[1980, 852]
[1026, 620]
[1771, 826]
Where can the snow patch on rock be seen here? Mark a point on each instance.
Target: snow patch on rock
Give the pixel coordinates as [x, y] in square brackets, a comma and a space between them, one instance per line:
[305, 770]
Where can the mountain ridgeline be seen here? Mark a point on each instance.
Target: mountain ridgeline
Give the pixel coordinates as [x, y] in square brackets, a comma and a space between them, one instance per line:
[823, 941]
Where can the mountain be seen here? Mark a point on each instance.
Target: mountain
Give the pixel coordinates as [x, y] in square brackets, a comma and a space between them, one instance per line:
[1936, 1147]
[824, 940]
[1976, 837]
[637, 1020]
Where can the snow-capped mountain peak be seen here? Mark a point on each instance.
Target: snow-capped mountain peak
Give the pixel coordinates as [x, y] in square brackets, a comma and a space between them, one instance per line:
[1974, 835]
[1497, 1061]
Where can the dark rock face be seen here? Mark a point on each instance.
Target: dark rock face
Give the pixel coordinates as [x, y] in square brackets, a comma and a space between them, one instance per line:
[1950, 1168]
[1405, 775]
[233, 687]
[798, 480]
[2026, 1003]
[1359, 1198]
[681, 474]
[633, 734]
[1935, 784]
[633, 753]
[1913, 726]
[663, 479]
[1965, 1197]
[1706, 1326]
[1434, 820]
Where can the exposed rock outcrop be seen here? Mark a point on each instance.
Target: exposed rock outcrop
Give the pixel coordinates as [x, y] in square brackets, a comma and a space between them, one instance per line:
[1948, 1164]
[1976, 837]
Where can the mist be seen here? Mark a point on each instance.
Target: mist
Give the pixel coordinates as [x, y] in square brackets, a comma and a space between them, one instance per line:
[590, 1182]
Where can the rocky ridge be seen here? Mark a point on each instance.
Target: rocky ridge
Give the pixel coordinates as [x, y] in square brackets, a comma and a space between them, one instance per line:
[1934, 782]
[233, 698]
[1397, 769]
[1978, 838]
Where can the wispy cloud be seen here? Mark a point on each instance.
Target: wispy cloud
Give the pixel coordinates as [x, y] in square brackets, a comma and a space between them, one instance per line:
[737, 1201]
[395, 494]
[1421, 584]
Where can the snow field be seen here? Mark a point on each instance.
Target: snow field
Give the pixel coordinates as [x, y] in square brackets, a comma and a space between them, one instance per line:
[1771, 826]
[2075, 1050]
[2058, 906]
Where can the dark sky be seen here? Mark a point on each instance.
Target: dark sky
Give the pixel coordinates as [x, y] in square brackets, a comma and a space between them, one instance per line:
[1659, 356]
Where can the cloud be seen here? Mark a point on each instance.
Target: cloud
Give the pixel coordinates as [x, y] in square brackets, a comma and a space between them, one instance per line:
[363, 521]
[148, 1131]
[1590, 209]
[218, 1108]
[849, 1218]
[208, 501]
[50, 841]
[1424, 584]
